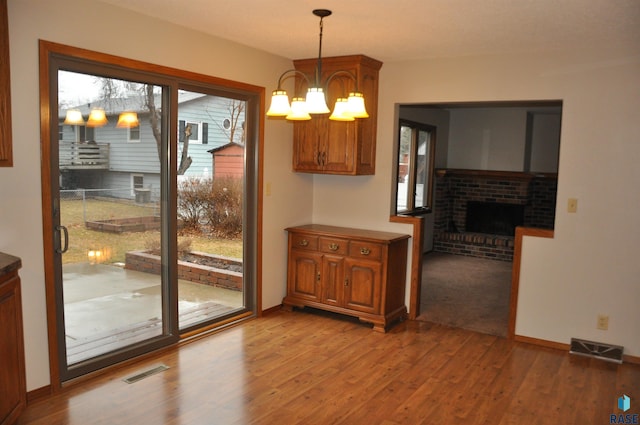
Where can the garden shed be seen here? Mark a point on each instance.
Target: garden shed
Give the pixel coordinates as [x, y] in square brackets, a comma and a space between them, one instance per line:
[228, 160]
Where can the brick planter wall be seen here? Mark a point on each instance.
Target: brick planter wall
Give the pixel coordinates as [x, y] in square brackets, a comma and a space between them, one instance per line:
[122, 225]
[455, 188]
[144, 262]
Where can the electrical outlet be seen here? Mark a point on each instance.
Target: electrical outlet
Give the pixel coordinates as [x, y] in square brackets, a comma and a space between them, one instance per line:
[603, 322]
[572, 205]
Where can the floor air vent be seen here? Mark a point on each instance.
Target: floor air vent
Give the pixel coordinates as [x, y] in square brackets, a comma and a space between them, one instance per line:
[597, 350]
[139, 376]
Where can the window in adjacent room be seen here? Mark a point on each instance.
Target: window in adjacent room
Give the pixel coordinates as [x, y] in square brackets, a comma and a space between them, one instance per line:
[415, 167]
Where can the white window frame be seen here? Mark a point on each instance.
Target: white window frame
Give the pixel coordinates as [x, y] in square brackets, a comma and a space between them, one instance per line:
[133, 183]
[193, 140]
[132, 140]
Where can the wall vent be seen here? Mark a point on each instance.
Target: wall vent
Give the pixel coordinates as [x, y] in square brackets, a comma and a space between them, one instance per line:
[596, 350]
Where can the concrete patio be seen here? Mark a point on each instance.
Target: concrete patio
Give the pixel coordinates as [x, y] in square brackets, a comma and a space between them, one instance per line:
[107, 307]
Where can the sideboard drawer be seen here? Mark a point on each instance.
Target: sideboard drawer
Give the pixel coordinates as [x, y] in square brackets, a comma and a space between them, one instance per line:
[363, 249]
[299, 241]
[334, 245]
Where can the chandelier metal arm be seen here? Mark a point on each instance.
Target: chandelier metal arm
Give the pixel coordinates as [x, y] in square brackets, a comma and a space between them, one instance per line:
[339, 74]
[294, 72]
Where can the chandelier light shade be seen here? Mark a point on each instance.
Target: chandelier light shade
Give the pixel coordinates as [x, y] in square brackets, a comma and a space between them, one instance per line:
[279, 104]
[127, 119]
[340, 111]
[345, 109]
[97, 118]
[73, 117]
[298, 110]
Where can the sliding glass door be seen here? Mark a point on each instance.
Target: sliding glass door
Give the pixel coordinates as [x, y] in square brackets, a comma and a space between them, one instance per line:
[152, 194]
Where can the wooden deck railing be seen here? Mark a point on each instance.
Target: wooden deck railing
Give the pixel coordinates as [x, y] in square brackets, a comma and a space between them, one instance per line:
[84, 156]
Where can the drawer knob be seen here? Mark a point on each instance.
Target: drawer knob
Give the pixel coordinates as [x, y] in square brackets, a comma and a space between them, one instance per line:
[334, 246]
[304, 242]
[365, 251]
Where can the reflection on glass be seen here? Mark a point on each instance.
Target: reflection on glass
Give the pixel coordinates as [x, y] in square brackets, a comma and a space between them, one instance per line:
[422, 175]
[109, 202]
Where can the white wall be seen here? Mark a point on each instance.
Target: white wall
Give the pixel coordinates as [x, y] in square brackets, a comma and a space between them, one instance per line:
[591, 264]
[104, 28]
[487, 139]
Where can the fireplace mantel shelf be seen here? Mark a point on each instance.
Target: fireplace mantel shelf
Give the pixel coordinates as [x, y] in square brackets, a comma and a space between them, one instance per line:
[508, 175]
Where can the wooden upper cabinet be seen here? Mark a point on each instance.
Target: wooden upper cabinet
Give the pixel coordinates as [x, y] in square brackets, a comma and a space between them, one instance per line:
[321, 145]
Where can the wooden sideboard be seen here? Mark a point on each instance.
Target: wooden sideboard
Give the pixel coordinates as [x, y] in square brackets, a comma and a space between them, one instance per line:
[12, 370]
[356, 272]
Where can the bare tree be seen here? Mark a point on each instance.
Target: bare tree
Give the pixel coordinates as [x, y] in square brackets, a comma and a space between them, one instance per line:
[185, 159]
[236, 111]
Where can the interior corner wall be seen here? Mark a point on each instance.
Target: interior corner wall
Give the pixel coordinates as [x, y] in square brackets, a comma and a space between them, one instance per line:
[90, 24]
[590, 266]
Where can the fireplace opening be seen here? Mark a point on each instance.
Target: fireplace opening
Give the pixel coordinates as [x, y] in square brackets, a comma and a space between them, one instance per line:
[493, 218]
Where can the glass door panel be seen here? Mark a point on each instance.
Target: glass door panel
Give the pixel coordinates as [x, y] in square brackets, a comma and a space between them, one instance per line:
[109, 197]
[210, 193]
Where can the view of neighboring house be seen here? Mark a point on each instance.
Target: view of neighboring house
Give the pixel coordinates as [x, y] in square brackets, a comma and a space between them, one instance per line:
[120, 160]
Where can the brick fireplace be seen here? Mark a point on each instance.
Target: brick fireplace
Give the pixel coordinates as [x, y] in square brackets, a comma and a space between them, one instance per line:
[505, 199]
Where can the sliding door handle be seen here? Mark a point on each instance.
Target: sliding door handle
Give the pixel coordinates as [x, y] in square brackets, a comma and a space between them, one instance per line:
[66, 239]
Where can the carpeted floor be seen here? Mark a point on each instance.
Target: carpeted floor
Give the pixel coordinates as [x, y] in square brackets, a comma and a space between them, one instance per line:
[466, 292]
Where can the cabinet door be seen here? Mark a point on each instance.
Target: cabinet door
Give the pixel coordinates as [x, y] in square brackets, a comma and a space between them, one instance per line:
[332, 280]
[362, 285]
[12, 383]
[307, 144]
[304, 274]
[339, 148]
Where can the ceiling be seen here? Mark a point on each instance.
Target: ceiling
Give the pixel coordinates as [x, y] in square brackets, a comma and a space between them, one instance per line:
[395, 30]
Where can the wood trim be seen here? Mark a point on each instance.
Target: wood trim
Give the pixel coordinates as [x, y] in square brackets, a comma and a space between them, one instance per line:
[631, 359]
[47, 213]
[515, 273]
[565, 347]
[38, 394]
[272, 310]
[6, 150]
[416, 260]
[495, 174]
[542, 342]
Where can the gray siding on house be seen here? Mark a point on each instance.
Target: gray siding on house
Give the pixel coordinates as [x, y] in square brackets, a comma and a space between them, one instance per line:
[209, 112]
[120, 186]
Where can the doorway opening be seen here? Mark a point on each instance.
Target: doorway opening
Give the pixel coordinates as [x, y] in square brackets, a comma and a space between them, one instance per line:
[495, 166]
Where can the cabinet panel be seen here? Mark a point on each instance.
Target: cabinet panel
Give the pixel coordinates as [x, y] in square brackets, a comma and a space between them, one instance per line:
[362, 287]
[304, 275]
[332, 280]
[12, 371]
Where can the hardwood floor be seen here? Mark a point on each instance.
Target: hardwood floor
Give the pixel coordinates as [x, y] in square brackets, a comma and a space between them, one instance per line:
[316, 368]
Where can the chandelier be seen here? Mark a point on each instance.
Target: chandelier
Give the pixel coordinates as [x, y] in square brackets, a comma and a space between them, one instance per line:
[346, 108]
